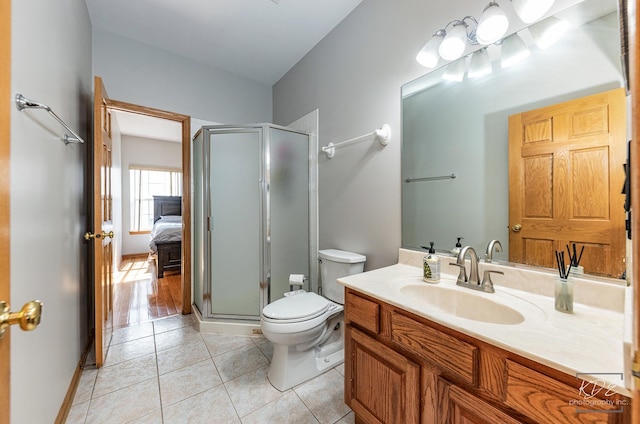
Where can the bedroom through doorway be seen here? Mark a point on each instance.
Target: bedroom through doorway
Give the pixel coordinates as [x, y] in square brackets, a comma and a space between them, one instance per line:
[153, 142]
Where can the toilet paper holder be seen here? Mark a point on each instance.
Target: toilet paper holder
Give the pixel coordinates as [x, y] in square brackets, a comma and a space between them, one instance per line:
[297, 280]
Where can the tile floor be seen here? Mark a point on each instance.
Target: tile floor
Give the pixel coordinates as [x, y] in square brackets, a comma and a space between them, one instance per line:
[166, 372]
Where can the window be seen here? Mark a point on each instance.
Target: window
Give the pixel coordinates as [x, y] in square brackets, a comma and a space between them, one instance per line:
[146, 183]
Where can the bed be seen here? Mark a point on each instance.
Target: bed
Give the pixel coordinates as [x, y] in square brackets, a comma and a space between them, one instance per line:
[166, 235]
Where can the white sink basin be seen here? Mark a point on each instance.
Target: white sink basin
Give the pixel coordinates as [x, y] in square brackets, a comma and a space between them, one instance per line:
[463, 304]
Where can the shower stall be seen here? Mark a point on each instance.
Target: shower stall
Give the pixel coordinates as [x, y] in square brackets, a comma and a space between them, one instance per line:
[252, 217]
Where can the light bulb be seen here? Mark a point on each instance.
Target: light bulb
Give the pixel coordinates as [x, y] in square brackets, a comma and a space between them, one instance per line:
[480, 64]
[455, 70]
[531, 10]
[493, 24]
[428, 56]
[513, 50]
[547, 32]
[453, 45]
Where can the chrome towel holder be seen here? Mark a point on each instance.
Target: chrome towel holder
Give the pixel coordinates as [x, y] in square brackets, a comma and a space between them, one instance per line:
[24, 103]
[440, 177]
[382, 135]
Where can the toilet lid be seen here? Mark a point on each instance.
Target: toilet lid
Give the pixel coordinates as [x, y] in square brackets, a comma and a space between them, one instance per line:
[298, 306]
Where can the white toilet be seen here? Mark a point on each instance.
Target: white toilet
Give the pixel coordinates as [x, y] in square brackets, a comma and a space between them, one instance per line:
[307, 329]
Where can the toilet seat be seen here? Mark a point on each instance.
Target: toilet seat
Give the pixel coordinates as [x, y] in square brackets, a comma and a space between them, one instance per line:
[300, 307]
[298, 313]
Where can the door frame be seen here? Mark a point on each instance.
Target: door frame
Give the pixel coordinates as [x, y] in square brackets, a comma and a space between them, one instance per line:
[5, 197]
[185, 121]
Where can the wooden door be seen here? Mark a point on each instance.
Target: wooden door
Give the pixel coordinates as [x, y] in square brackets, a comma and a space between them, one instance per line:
[565, 180]
[5, 144]
[368, 363]
[102, 223]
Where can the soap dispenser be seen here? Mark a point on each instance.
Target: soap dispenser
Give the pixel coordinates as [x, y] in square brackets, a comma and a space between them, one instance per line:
[458, 247]
[431, 266]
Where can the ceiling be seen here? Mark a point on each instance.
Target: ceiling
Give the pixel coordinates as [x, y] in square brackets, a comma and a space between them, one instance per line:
[257, 39]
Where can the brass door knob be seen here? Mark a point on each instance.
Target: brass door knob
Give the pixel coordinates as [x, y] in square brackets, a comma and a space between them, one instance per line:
[89, 235]
[516, 228]
[28, 317]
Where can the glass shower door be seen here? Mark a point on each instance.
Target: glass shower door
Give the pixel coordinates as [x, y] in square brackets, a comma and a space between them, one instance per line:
[288, 178]
[199, 269]
[235, 222]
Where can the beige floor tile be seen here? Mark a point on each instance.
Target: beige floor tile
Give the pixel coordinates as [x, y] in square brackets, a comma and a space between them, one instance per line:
[340, 369]
[324, 396]
[350, 418]
[182, 356]
[125, 374]
[288, 409]
[239, 362]
[153, 418]
[78, 413]
[210, 407]
[85, 385]
[130, 350]
[223, 343]
[252, 391]
[172, 323]
[132, 332]
[265, 346]
[188, 381]
[125, 405]
[178, 337]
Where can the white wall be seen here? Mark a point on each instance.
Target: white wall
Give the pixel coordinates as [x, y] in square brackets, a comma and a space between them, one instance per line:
[51, 63]
[153, 153]
[116, 191]
[353, 76]
[142, 74]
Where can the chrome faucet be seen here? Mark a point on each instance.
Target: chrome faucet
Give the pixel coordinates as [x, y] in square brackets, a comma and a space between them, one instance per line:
[473, 282]
[493, 244]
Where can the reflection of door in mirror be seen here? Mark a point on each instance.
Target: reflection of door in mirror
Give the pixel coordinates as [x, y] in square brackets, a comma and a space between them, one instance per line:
[565, 179]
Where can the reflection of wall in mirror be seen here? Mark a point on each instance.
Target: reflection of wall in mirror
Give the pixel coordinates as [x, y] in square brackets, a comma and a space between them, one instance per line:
[463, 128]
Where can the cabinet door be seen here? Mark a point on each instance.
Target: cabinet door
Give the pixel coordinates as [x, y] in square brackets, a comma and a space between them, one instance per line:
[457, 406]
[381, 386]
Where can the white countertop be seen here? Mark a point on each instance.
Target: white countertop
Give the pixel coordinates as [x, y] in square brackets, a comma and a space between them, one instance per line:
[588, 342]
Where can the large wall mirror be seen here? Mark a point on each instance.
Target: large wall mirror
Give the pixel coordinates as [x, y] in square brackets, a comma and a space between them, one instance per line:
[462, 129]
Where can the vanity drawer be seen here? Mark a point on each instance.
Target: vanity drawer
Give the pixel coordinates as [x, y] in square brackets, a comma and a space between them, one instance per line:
[459, 359]
[547, 400]
[362, 312]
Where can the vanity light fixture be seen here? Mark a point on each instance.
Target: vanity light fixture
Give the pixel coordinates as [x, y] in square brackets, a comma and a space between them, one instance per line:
[547, 32]
[480, 64]
[451, 41]
[513, 50]
[455, 70]
[531, 10]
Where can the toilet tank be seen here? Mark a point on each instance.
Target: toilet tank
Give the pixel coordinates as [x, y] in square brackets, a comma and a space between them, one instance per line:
[336, 264]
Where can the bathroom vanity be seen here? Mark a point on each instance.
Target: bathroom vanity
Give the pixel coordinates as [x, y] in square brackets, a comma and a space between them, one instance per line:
[425, 353]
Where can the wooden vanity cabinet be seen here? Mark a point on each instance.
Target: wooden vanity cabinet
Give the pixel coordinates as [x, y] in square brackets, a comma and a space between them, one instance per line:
[404, 369]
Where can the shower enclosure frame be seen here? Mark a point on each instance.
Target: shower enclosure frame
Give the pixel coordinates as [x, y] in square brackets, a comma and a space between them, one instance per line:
[204, 277]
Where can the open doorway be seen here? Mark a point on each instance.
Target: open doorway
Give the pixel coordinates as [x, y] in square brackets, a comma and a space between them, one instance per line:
[153, 142]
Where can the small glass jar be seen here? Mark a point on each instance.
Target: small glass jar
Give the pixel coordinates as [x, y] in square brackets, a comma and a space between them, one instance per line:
[564, 295]
[577, 270]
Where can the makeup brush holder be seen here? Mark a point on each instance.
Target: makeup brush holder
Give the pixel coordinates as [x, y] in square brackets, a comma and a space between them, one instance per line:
[576, 270]
[564, 295]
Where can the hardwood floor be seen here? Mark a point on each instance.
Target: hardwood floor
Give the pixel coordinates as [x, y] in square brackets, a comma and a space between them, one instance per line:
[140, 296]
